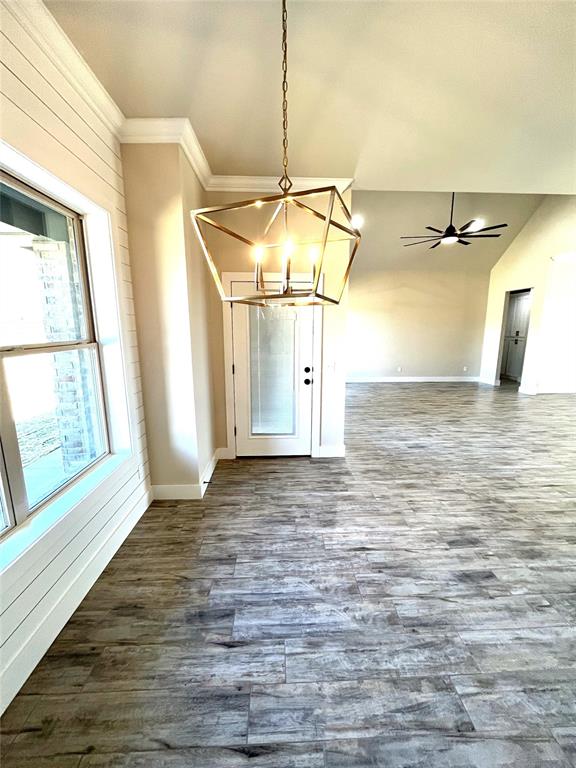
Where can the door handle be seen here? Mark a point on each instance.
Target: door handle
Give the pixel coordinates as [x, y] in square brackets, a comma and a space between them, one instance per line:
[307, 381]
[307, 369]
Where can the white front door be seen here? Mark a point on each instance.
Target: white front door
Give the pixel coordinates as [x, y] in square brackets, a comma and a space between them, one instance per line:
[272, 350]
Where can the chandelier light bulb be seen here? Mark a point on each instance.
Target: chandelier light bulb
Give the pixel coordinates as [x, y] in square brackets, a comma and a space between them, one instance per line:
[258, 203]
[258, 253]
[314, 254]
[357, 221]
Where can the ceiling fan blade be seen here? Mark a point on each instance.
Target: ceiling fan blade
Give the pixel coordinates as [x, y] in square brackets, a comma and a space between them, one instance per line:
[434, 246]
[463, 242]
[465, 227]
[420, 242]
[434, 229]
[486, 229]
[411, 237]
[477, 235]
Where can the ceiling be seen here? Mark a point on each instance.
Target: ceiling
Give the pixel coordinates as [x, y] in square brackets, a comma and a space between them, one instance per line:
[389, 215]
[475, 95]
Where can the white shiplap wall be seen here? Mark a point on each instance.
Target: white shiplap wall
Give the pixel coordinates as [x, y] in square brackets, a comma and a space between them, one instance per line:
[47, 115]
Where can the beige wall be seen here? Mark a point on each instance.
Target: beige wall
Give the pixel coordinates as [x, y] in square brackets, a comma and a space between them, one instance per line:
[542, 257]
[173, 293]
[155, 220]
[205, 328]
[418, 309]
[427, 322]
[414, 309]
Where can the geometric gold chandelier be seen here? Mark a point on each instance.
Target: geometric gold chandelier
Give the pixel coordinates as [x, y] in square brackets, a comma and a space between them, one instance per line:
[299, 246]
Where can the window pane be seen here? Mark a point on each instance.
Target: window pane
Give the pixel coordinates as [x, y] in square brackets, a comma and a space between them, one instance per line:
[40, 279]
[56, 409]
[3, 513]
[272, 349]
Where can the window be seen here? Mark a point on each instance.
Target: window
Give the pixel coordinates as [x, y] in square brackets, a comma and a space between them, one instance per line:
[52, 421]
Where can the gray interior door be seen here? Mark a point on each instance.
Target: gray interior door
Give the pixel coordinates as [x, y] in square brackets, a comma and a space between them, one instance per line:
[516, 333]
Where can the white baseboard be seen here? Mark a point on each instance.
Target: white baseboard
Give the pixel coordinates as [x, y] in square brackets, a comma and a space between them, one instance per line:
[329, 451]
[60, 602]
[208, 471]
[192, 491]
[177, 492]
[409, 379]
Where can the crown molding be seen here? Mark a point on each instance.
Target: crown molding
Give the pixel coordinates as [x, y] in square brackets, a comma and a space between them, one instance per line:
[35, 17]
[178, 130]
[168, 130]
[269, 184]
[37, 20]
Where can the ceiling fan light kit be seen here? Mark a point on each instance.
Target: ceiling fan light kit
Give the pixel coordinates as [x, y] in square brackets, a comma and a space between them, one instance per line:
[473, 229]
[308, 238]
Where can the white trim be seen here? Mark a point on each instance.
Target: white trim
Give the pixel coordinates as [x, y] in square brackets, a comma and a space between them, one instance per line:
[103, 264]
[228, 341]
[178, 130]
[192, 491]
[55, 609]
[229, 451]
[329, 451]
[177, 492]
[258, 184]
[317, 379]
[408, 379]
[168, 130]
[208, 472]
[57, 46]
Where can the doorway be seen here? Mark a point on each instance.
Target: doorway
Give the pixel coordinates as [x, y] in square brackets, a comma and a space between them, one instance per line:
[273, 382]
[515, 335]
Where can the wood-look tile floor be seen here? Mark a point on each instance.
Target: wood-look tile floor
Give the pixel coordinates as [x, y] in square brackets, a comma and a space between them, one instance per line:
[411, 605]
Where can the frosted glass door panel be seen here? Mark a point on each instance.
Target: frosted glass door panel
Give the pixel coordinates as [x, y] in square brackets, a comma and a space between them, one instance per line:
[272, 371]
[273, 378]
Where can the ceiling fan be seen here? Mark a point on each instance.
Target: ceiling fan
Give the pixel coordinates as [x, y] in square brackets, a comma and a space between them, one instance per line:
[453, 234]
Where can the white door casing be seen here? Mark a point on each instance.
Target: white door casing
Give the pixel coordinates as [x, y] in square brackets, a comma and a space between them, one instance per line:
[271, 410]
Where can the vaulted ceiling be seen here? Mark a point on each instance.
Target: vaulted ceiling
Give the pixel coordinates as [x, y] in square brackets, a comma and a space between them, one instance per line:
[474, 95]
[390, 215]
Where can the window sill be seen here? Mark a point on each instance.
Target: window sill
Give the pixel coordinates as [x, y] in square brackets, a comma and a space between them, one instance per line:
[77, 498]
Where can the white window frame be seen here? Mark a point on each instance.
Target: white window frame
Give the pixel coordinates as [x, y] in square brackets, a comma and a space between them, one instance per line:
[102, 271]
[15, 492]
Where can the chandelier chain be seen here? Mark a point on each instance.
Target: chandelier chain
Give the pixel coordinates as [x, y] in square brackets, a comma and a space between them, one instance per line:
[285, 182]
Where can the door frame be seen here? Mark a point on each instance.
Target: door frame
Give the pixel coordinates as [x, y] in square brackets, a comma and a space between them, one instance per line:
[504, 323]
[228, 332]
